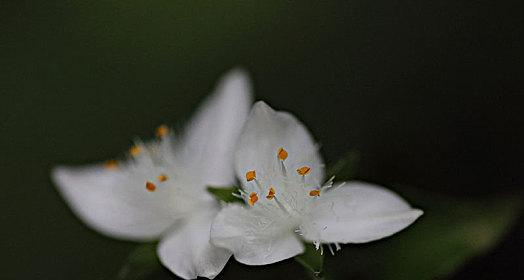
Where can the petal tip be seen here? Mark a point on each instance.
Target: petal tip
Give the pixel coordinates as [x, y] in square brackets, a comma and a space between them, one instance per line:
[418, 213]
[262, 108]
[238, 72]
[58, 174]
[236, 82]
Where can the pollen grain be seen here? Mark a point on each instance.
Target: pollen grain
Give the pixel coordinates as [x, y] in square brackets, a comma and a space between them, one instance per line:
[271, 193]
[251, 175]
[304, 170]
[282, 154]
[314, 193]
[162, 131]
[111, 164]
[162, 177]
[150, 186]
[135, 150]
[253, 198]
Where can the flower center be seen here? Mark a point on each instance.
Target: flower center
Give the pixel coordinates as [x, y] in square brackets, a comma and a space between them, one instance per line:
[293, 195]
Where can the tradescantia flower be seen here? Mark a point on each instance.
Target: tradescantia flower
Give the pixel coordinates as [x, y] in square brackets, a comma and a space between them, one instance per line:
[159, 192]
[282, 176]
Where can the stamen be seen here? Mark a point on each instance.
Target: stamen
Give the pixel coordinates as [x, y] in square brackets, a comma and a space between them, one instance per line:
[135, 150]
[243, 193]
[253, 198]
[282, 154]
[283, 168]
[162, 178]
[259, 186]
[338, 186]
[111, 164]
[331, 249]
[281, 206]
[237, 195]
[304, 170]
[251, 175]
[314, 193]
[162, 131]
[271, 193]
[150, 186]
[328, 184]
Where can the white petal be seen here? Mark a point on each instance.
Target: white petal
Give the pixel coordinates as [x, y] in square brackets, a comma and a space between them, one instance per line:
[265, 132]
[255, 238]
[187, 251]
[357, 212]
[117, 204]
[208, 143]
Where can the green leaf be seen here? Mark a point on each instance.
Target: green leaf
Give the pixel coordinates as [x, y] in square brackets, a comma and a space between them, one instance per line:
[450, 232]
[312, 260]
[346, 167]
[141, 263]
[225, 194]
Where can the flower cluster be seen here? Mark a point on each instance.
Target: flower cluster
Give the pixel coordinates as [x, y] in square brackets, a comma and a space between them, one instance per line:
[159, 191]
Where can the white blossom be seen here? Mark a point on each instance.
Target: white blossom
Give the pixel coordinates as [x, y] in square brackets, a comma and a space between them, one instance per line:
[159, 191]
[288, 202]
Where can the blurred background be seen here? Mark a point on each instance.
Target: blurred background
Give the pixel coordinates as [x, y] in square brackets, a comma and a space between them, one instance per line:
[426, 91]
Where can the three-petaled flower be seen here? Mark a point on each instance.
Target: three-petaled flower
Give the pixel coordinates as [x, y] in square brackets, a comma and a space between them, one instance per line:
[159, 192]
[282, 176]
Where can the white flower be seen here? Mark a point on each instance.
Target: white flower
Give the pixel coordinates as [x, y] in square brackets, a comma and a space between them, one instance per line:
[159, 192]
[282, 173]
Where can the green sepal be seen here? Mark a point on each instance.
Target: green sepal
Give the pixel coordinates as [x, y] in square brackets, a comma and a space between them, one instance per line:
[225, 194]
[346, 167]
[312, 261]
[141, 263]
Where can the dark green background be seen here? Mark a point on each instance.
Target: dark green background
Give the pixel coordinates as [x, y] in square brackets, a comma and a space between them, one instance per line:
[427, 91]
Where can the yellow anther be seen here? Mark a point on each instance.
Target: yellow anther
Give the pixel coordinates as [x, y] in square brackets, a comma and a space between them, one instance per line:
[271, 193]
[150, 186]
[253, 198]
[282, 154]
[135, 150]
[162, 178]
[162, 131]
[303, 170]
[314, 193]
[251, 175]
[111, 164]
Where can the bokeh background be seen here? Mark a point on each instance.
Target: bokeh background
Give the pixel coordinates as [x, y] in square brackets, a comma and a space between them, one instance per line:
[427, 91]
